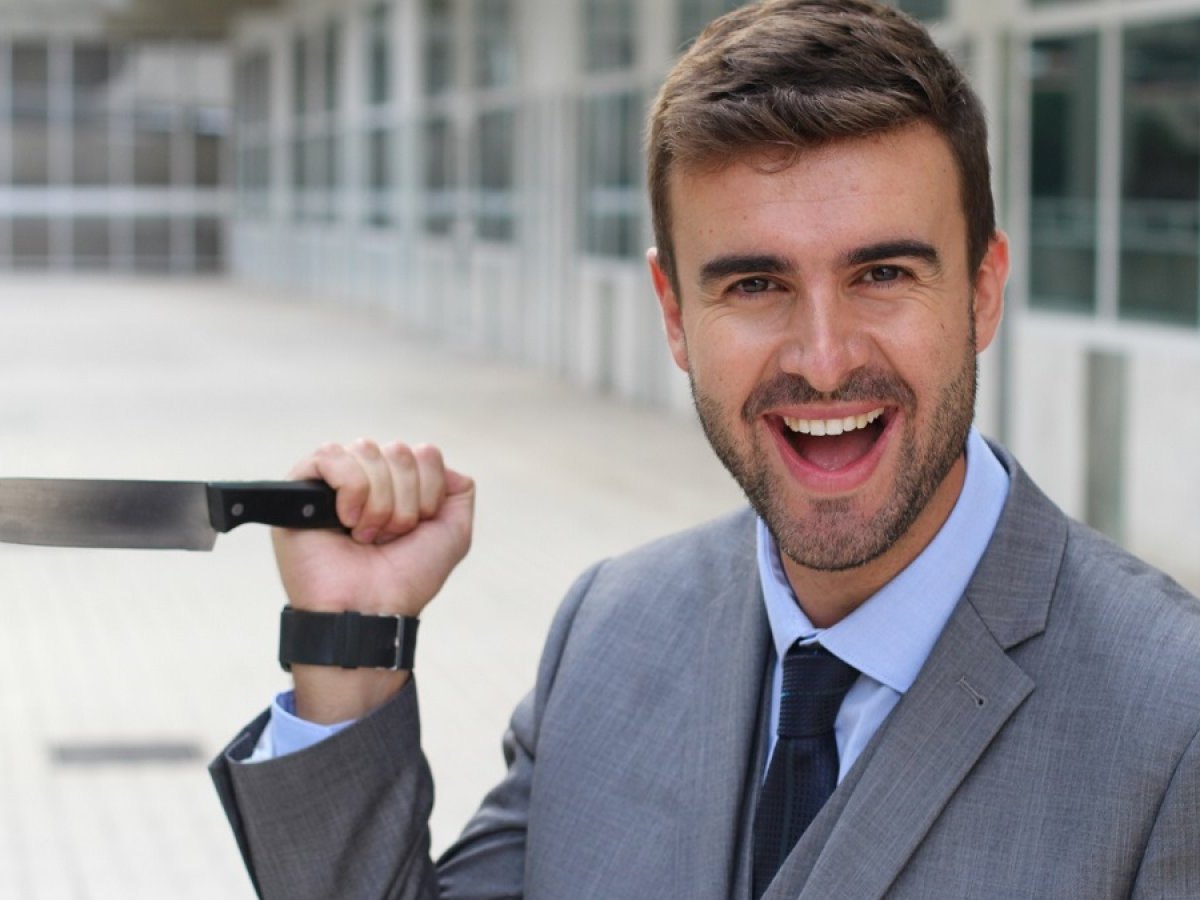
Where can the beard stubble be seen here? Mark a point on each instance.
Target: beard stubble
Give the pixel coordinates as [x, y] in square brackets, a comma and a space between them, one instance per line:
[835, 536]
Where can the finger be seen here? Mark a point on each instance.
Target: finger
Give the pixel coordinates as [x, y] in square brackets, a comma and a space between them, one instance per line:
[384, 492]
[337, 467]
[402, 471]
[458, 508]
[431, 471]
[458, 484]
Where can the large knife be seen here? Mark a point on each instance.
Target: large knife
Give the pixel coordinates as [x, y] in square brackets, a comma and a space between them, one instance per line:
[154, 515]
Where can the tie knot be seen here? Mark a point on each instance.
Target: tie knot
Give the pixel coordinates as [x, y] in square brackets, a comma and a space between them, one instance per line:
[814, 684]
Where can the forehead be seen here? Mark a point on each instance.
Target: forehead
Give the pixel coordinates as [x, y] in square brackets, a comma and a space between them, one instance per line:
[901, 183]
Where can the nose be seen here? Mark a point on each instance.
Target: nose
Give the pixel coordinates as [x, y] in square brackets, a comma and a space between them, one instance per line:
[822, 341]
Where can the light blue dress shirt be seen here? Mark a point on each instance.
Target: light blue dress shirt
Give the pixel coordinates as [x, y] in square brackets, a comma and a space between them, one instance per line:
[889, 637]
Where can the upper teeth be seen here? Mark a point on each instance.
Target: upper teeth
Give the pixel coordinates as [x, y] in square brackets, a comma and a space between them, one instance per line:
[832, 426]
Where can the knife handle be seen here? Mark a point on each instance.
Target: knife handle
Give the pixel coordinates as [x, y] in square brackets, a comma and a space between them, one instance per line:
[286, 504]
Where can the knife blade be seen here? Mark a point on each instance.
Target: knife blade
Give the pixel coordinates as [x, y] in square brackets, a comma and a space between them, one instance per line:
[154, 515]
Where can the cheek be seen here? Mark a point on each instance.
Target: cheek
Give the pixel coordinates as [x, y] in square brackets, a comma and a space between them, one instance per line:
[724, 355]
[930, 360]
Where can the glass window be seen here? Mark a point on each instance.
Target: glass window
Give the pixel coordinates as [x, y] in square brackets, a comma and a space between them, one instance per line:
[317, 163]
[1063, 136]
[91, 77]
[1160, 182]
[612, 202]
[379, 176]
[695, 14]
[152, 147]
[379, 63]
[30, 79]
[209, 243]
[332, 165]
[439, 175]
[92, 73]
[90, 151]
[332, 65]
[299, 77]
[91, 244]
[929, 10]
[30, 151]
[610, 34]
[252, 97]
[251, 153]
[207, 158]
[495, 51]
[496, 170]
[299, 165]
[31, 242]
[439, 46]
[152, 244]
[31, 115]
[254, 173]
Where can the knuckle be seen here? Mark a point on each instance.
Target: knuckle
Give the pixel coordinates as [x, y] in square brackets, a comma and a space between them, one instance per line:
[403, 521]
[401, 455]
[427, 453]
[324, 456]
[367, 448]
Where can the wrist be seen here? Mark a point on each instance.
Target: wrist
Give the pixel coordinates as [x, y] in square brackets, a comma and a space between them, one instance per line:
[345, 664]
[327, 695]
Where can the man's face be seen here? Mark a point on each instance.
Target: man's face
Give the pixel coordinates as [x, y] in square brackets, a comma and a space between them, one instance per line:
[829, 325]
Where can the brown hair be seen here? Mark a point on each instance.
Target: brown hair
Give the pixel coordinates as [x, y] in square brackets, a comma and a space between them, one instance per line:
[795, 74]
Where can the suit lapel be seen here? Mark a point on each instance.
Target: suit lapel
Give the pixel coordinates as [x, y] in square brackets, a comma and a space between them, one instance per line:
[965, 694]
[721, 740]
[966, 691]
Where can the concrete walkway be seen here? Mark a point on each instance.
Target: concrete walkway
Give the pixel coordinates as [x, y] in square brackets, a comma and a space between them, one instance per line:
[121, 672]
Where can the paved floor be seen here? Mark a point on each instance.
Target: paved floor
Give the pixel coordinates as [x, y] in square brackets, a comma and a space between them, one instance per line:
[121, 672]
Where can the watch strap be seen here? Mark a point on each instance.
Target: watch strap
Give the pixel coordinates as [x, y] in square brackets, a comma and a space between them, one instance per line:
[349, 640]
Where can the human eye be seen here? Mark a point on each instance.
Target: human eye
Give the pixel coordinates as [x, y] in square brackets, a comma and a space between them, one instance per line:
[754, 285]
[885, 275]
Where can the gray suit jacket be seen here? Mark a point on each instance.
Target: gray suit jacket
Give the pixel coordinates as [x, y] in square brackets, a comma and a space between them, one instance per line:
[1048, 748]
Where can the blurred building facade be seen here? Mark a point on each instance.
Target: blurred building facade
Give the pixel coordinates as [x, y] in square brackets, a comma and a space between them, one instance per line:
[474, 168]
[111, 142]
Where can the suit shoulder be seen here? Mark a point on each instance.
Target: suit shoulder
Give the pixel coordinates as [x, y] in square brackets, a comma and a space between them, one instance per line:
[1130, 626]
[715, 542]
[1126, 587]
[704, 564]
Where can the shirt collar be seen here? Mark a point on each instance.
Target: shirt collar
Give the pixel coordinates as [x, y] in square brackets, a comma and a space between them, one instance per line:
[891, 634]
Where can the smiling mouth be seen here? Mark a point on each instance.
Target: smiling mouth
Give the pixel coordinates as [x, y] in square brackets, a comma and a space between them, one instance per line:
[834, 444]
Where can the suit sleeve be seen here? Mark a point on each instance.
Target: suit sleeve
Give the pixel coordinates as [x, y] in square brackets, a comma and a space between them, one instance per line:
[1170, 868]
[346, 818]
[349, 817]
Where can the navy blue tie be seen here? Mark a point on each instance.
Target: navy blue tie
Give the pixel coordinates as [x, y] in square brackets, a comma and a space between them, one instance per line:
[804, 767]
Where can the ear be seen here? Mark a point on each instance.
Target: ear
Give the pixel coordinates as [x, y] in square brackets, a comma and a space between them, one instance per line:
[672, 311]
[989, 290]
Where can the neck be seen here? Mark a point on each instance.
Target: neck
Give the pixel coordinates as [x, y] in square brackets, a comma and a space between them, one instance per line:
[827, 597]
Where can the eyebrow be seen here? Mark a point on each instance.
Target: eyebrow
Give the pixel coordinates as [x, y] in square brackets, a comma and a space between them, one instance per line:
[770, 264]
[892, 249]
[734, 264]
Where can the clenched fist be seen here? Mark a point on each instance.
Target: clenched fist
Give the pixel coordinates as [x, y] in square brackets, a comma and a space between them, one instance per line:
[410, 520]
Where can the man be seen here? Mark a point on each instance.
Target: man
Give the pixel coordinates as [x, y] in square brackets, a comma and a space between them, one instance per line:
[1013, 703]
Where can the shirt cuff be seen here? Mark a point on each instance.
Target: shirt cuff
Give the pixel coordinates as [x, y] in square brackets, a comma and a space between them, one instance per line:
[286, 732]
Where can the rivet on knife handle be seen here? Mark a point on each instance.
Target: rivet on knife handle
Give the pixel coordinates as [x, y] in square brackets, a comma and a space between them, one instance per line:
[285, 504]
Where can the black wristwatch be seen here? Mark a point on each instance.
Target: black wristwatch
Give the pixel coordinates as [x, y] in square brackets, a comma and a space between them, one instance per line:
[349, 640]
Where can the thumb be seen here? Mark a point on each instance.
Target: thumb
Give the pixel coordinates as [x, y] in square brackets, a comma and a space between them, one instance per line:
[459, 485]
